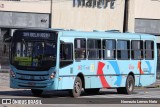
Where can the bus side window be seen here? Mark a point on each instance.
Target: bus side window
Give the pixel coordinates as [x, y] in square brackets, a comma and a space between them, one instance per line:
[123, 49]
[149, 50]
[137, 49]
[80, 48]
[62, 54]
[109, 49]
[94, 49]
[66, 54]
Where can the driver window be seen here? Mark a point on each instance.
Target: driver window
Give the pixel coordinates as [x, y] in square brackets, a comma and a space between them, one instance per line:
[66, 54]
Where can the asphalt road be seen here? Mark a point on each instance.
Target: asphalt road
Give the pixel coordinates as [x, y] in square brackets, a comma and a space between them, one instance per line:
[6, 92]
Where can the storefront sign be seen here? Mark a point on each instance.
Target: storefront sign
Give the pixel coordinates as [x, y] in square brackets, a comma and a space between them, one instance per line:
[94, 3]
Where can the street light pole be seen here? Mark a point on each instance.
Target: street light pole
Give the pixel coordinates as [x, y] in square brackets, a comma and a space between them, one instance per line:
[125, 19]
[50, 24]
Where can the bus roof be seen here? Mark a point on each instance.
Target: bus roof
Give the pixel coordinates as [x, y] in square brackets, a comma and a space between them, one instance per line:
[103, 34]
[97, 33]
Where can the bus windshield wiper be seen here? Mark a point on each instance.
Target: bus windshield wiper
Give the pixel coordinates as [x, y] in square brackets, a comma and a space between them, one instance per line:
[25, 43]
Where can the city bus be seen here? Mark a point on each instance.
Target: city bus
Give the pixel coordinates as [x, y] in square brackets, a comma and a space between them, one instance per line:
[57, 59]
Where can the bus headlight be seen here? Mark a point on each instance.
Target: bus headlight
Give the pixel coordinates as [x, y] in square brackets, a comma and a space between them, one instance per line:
[12, 74]
[53, 75]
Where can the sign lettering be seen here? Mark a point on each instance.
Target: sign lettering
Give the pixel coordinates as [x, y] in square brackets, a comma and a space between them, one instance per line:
[94, 3]
[36, 35]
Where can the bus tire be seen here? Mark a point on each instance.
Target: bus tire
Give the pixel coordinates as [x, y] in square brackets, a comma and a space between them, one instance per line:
[36, 92]
[92, 91]
[77, 88]
[130, 83]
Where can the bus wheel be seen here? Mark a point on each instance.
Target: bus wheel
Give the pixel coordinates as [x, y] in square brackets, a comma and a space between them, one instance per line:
[77, 88]
[92, 91]
[129, 86]
[36, 92]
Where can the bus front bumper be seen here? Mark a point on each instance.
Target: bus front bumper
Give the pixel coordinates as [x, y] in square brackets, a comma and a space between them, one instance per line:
[23, 84]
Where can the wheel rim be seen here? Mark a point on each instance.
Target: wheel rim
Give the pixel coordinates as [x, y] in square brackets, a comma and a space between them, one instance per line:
[77, 87]
[130, 85]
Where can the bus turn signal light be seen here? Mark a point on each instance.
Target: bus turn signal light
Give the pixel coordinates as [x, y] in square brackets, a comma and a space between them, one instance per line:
[12, 74]
[53, 75]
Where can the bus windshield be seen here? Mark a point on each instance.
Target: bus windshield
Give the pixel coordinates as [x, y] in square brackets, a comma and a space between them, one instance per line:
[34, 55]
[34, 49]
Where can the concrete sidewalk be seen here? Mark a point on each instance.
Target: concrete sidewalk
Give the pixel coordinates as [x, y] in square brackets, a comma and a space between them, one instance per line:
[4, 70]
[156, 84]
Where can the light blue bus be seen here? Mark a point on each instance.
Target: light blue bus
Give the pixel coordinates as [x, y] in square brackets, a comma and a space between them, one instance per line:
[75, 60]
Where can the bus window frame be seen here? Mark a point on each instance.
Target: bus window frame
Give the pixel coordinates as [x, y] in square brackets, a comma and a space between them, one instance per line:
[99, 50]
[64, 63]
[129, 50]
[152, 50]
[141, 50]
[80, 49]
[114, 50]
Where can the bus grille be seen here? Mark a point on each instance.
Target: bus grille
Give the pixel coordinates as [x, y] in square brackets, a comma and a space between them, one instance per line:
[32, 77]
[32, 86]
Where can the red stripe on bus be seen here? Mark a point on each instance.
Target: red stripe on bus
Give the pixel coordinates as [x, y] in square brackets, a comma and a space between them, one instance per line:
[102, 77]
[139, 67]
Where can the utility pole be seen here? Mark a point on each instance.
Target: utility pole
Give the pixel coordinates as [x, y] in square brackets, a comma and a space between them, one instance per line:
[125, 20]
[50, 25]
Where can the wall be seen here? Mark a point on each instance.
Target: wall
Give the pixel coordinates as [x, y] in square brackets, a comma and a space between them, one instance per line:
[64, 15]
[147, 17]
[24, 20]
[148, 9]
[131, 16]
[36, 6]
[83, 18]
[147, 26]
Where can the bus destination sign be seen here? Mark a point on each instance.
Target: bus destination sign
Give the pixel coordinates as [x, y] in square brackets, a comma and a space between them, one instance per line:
[36, 35]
